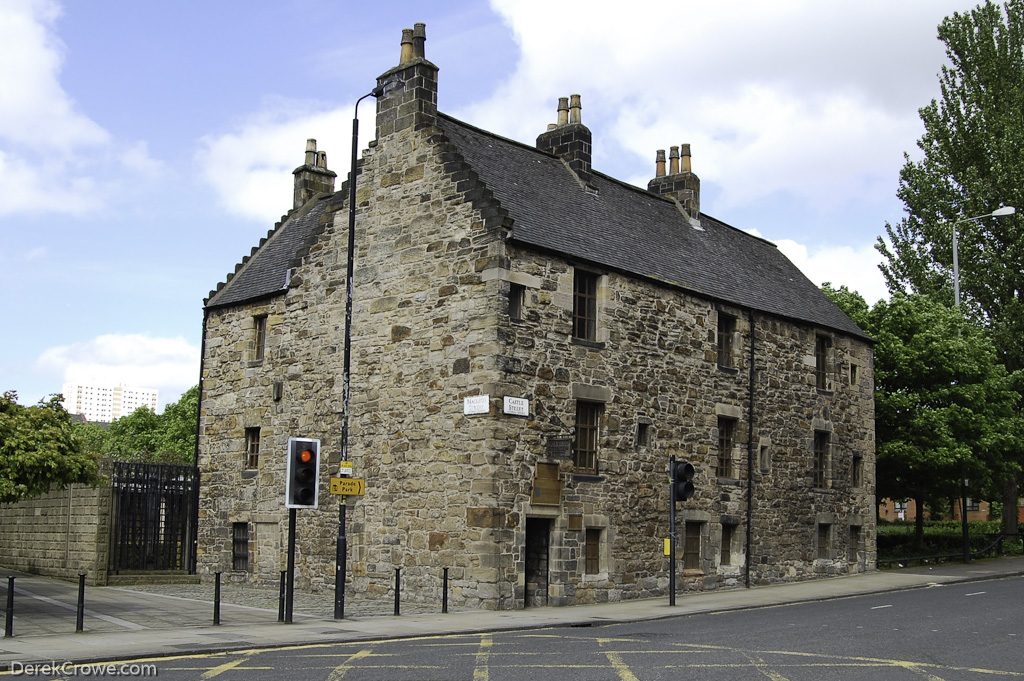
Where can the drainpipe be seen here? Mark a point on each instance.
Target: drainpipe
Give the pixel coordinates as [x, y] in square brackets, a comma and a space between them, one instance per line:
[750, 446]
[194, 549]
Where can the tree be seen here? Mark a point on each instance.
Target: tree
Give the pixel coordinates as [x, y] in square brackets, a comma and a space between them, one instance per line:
[971, 165]
[39, 450]
[146, 437]
[179, 425]
[944, 404]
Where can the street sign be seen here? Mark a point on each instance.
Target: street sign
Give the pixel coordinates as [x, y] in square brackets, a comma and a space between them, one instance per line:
[345, 468]
[355, 487]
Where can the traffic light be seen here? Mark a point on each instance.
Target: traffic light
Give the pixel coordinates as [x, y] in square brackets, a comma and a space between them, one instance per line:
[303, 474]
[682, 480]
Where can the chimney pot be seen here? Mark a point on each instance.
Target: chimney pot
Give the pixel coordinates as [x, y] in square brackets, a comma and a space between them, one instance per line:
[574, 109]
[419, 36]
[673, 160]
[321, 159]
[685, 160]
[406, 55]
[563, 111]
[551, 126]
[659, 163]
[310, 152]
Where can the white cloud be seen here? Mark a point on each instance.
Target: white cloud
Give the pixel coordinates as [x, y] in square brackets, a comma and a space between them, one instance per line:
[250, 167]
[53, 158]
[169, 364]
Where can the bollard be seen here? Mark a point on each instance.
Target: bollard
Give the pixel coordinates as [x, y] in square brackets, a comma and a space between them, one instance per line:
[280, 598]
[80, 620]
[216, 599]
[9, 624]
[398, 591]
[444, 593]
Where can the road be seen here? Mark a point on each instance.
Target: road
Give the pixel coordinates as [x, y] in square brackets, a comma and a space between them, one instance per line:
[944, 633]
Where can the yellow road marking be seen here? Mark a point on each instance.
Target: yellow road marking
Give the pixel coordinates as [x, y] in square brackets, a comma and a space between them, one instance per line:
[620, 667]
[342, 669]
[221, 668]
[482, 672]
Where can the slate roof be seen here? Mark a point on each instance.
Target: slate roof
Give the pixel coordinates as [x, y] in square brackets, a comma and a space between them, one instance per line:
[620, 227]
[632, 230]
[265, 271]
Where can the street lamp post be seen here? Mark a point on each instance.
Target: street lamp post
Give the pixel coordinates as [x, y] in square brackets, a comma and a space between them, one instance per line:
[341, 557]
[997, 213]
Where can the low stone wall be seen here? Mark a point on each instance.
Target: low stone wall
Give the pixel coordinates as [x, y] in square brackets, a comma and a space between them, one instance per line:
[60, 534]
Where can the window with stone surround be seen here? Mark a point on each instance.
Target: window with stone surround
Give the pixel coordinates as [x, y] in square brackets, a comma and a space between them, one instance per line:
[516, 300]
[240, 546]
[259, 339]
[691, 546]
[728, 533]
[584, 305]
[819, 468]
[853, 548]
[592, 551]
[588, 426]
[726, 440]
[824, 541]
[726, 330]
[857, 471]
[252, 448]
[823, 362]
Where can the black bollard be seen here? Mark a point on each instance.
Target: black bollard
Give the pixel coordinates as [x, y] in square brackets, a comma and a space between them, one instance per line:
[398, 591]
[80, 621]
[9, 624]
[216, 599]
[280, 598]
[444, 593]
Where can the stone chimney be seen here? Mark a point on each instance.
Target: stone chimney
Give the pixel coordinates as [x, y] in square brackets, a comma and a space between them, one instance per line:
[408, 96]
[680, 183]
[313, 177]
[569, 138]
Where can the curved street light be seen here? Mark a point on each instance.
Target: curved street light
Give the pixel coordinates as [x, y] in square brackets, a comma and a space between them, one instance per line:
[997, 213]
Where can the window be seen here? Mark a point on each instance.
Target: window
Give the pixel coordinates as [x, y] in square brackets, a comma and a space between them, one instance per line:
[252, 448]
[973, 505]
[726, 430]
[584, 306]
[643, 434]
[728, 532]
[726, 329]
[857, 471]
[588, 423]
[240, 546]
[691, 546]
[853, 549]
[820, 467]
[853, 375]
[516, 297]
[765, 459]
[822, 352]
[592, 551]
[824, 537]
[259, 336]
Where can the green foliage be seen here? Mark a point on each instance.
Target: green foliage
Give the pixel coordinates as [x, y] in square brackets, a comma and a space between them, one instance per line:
[145, 437]
[38, 450]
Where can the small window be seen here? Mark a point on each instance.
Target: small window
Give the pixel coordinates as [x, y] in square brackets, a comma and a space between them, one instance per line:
[588, 424]
[516, 298]
[973, 505]
[726, 330]
[252, 448]
[643, 435]
[584, 306]
[824, 539]
[853, 548]
[822, 355]
[819, 468]
[691, 547]
[728, 532]
[857, 471]
[853, 374]
[240, 546]
[592, 551]
[259, 336]
[726, 434]
[764, 459]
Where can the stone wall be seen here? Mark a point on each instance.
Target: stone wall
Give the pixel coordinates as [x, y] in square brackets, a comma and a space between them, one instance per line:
[60, 534]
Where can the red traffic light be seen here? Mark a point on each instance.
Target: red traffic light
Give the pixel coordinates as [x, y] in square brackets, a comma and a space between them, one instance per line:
[305, 456]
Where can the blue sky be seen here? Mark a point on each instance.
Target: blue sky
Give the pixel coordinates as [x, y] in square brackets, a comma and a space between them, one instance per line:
[146, 147]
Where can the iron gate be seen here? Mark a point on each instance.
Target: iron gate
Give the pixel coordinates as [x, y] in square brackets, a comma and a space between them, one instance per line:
[155, 517]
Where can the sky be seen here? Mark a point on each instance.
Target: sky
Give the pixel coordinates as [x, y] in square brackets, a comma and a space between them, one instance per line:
[145, 148]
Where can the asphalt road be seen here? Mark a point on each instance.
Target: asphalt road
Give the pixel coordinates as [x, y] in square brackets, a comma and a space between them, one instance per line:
[944, 633]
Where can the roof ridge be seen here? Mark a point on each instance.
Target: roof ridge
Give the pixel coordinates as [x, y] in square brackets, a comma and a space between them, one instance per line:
[255, 249]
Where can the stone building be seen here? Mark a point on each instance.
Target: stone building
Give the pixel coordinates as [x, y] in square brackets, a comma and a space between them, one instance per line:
[532, 339]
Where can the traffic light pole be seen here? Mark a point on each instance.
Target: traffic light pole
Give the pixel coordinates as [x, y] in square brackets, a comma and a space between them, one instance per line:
[290, 592]
[672, 530]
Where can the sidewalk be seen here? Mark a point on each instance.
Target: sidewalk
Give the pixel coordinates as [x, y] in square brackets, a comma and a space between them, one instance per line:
[127, 623]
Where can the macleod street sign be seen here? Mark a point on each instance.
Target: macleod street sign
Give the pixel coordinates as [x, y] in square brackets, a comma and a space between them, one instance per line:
[348, 486]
